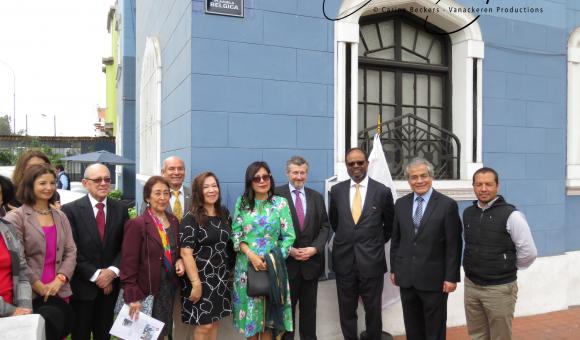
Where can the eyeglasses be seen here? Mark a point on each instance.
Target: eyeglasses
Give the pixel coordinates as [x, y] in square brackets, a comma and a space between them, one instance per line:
[357, 163]
[100, 180]
[419, 177]
[258, 179]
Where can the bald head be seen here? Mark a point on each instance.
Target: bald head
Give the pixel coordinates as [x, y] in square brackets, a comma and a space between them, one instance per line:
[174, 171]
[97, 181]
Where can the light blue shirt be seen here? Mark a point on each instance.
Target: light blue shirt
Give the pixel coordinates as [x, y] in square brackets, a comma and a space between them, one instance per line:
[426, 198]
[302, 196]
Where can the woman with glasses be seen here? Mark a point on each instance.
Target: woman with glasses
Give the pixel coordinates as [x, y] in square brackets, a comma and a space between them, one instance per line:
[150, 257]
[207, 254]
[45, 234]
[262, 225]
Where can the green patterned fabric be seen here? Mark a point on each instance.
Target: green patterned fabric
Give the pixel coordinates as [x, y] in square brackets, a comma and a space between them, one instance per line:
[267, 226]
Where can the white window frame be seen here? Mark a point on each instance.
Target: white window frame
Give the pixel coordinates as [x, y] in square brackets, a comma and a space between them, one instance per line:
[467, 47]
[150, 111]
[573, 157]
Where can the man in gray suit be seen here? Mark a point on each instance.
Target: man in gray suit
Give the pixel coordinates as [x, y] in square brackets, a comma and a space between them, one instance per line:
[306, 260]
[174, 171]
[425, 253]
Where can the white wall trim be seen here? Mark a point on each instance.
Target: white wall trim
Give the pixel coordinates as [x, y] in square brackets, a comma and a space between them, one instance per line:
[538, 292]
[573, 159]
[150, 108]
[466, 45]
[142, 178]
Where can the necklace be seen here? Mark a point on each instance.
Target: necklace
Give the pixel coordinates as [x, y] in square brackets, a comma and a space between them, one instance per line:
[42, 212]
[216, 226]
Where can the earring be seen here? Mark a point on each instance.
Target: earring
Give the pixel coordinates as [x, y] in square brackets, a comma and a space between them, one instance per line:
[148, 205]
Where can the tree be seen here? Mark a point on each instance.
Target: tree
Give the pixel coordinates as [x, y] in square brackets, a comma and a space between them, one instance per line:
[47, 150]
[5, 127]
[7, 157]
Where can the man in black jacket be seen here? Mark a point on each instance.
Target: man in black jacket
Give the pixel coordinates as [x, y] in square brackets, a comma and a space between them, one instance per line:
[97, 224]
[498, 242]
[425, 253]
[361, 215]
[306, 261]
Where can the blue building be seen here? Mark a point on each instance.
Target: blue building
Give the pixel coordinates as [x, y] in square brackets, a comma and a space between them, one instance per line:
[222, 91]
[123, 21]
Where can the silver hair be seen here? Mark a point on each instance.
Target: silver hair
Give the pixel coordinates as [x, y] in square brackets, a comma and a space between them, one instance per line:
[419, 161]
[163, 164]
[296, 160]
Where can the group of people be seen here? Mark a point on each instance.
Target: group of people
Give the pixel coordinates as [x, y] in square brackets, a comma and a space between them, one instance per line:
[428, 243]
[191, 257]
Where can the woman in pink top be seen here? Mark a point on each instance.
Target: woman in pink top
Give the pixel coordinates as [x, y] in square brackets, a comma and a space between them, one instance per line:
[45, 234]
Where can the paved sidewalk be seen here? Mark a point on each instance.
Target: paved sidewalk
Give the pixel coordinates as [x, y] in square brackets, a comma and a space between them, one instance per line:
[562, 325]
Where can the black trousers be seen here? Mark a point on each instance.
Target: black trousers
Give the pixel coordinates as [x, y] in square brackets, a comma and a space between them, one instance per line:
[303, 292]
[425, 314]
[349, 287]
[94, 316]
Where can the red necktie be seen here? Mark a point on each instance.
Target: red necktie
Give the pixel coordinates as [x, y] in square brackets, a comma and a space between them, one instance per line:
[101, 219]
[299, 209]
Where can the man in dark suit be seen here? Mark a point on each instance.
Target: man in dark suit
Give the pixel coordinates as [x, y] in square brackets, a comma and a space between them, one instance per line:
[425, 253]
[97, 225]
[361, 215]
[173, 170]
[306, 260]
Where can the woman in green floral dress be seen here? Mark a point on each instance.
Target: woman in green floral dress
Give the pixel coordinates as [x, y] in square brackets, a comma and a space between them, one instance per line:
[260, 219]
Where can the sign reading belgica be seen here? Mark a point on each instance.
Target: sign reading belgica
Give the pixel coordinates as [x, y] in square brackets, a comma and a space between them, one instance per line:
[234, 8]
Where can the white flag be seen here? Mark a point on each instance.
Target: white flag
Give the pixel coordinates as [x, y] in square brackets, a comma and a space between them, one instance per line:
[379, 171]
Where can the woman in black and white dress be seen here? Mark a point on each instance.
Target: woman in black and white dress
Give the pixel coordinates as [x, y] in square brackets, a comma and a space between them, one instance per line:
[207, 253]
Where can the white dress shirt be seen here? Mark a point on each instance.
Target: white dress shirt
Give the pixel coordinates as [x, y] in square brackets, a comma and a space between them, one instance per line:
[302, 196]
[363, 185]
[518, 228]
[95, 210]
[181, 199]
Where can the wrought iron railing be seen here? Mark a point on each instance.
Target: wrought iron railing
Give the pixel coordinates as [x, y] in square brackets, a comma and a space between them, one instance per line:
[409, 136]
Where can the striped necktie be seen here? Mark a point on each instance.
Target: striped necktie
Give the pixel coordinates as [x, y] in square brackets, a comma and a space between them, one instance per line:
[418, 213]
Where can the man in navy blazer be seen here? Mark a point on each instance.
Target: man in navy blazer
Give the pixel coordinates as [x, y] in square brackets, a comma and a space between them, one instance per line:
[361, 215]
[306, 261]
[425, 253]
[95, 282]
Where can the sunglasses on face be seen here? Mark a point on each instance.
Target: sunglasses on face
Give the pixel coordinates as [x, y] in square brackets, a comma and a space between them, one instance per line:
[258, 179]
[357, 163]
[100, 180]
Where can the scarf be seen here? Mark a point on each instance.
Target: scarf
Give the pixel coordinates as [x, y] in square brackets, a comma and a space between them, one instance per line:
[167, 260]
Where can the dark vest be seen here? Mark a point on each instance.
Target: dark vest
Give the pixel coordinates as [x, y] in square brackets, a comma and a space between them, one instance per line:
[490, 254]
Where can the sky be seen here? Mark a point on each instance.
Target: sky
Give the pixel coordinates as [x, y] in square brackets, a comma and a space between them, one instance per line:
[55, 49]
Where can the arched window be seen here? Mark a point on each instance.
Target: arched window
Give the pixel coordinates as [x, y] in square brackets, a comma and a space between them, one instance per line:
[413, 68]
[150, 109]
[404, 74]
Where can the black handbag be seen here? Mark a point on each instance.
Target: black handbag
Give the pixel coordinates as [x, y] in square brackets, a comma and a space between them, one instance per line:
[258, 282]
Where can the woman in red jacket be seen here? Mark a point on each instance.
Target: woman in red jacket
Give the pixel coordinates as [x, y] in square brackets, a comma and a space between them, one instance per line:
[150, 257]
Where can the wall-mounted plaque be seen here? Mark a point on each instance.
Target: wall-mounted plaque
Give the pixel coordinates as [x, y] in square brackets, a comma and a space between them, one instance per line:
[234, 8]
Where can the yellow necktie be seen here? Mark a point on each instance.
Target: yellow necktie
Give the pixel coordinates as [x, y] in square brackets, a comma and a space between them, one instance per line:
[177, 209]
[356, 204]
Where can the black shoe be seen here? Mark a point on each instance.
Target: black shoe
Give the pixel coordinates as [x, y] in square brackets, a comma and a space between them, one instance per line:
[384, 336]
